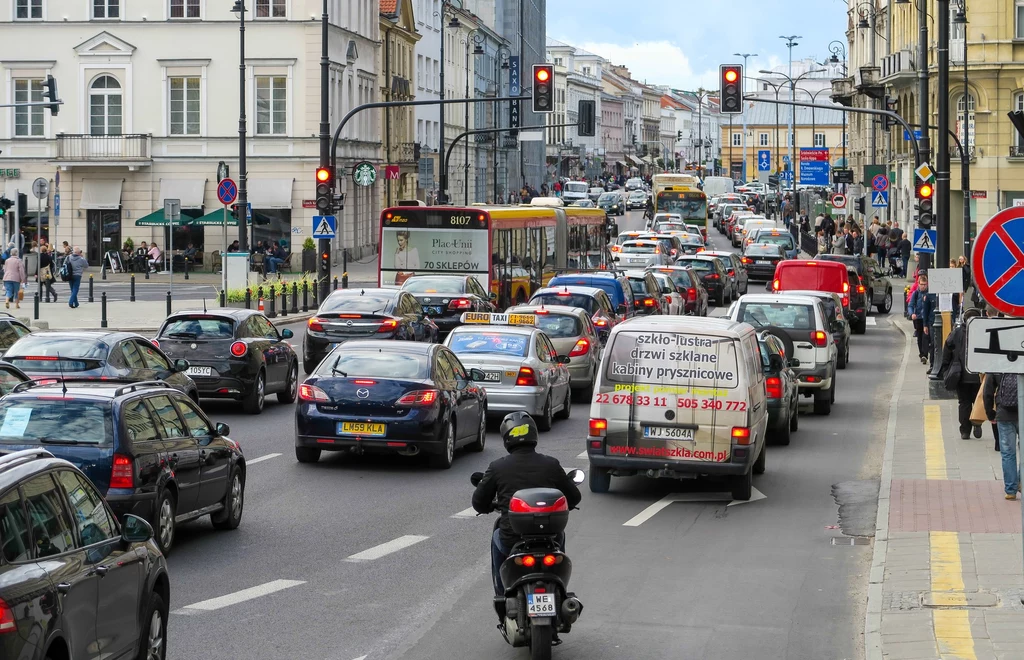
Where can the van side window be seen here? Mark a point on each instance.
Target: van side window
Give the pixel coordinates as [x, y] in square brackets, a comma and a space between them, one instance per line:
[756, 375]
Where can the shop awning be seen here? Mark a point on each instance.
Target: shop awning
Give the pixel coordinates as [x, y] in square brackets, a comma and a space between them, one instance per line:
[635, 160]
[157, 219]
[215, 219]
[648, 160]
[270, 193]
[620, 163]
[101, 194]
[190, 191]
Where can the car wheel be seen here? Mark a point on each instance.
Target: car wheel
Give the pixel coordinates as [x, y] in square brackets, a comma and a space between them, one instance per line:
[165, 521]
[154, 640]
[546, 419]
[742, 485]
[600, 480]
[759, 464]
[234, 503]
[841, 359]
[823, 403]
[291, 386]
[566, 405]
[861, 326]
[782, 435]
[444, 460]
[794, 417]
[307, 454]
[253, 402]
[886, 304]
[481, 434]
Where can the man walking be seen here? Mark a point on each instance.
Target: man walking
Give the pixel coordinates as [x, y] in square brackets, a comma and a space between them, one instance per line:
[77, 265]
[1000, 399]
[922, 308]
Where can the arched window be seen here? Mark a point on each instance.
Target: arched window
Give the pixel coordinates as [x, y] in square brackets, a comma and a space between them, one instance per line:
[960, 103]
[105, 106]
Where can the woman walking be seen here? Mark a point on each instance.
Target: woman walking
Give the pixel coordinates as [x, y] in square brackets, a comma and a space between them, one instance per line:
[14, 277]
[46, 269]
[957, 377]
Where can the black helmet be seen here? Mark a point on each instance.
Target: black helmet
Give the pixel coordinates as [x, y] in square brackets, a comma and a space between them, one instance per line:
[518, 430]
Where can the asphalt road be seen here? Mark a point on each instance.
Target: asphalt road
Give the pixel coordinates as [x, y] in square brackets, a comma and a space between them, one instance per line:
[700, 579]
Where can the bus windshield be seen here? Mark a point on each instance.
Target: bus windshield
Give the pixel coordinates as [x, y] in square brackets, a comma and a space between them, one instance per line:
[689, 206]
[419, 240]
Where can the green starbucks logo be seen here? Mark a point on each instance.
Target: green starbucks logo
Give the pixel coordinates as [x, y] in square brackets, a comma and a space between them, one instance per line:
[364, 174]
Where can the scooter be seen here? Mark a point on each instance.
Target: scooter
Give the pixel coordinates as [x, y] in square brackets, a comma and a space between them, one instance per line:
[536, 603]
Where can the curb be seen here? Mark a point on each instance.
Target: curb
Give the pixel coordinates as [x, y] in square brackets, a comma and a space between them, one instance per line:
[873, 616]
[279, 321]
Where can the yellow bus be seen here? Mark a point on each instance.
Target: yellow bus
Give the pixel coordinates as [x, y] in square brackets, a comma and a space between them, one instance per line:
[681, 194]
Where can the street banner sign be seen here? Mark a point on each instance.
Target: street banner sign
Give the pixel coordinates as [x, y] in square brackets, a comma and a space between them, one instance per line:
[924, 240]
[880, 182]
[40, 188]
[786, 176]
[764, 160]
[994, 346]
[880, 199]
[840, 175]
[945, 280]
[917, 134]
[172, 210]
[514, 89]
[924, 172]
[392, 172]
[814, 166]
[227, 192]
[839, 201]
[998, 261]
[56, 205]
[364, 173]
[325, 226]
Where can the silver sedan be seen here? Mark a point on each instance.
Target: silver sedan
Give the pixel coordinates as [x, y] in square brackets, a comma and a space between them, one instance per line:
[572, 333]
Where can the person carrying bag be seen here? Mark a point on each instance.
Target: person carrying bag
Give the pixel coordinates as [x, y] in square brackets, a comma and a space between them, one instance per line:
[957, 378]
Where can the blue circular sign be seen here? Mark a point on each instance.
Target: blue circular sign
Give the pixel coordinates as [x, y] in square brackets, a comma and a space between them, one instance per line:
[880, 182]
[998, 261]
[227, 191]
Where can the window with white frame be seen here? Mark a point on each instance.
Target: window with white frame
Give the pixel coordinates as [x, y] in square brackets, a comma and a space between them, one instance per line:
[271, 9]
[105, 106]
[762, 139]
[1019, 18]
[185, 9]
[960, 104]
[737, 139]
[185, 104]
[27, 10]
[819, 140]
[419, 71]
[271, 105]
[28, 121]
[106, 8]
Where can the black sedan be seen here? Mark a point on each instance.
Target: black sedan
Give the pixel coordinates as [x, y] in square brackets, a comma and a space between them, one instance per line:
[233, 354]
[404, 398]
[688, 284]
[761, 260]
[349, 314]
[445, 298]
[100, 355]
[781, 386]
[712, 273]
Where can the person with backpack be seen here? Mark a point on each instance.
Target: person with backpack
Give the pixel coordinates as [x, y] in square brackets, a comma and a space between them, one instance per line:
[922, 306]
[1001, 407]
[71, 272]
[957, 378]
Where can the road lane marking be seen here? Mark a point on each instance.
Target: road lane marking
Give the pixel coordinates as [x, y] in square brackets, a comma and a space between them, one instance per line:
[466, 513]
[653, 509]
[581, 455]
[871, 320]
[384, 549]
[650, 511]
[237, 597]
[952, 626]
[260, 459]
[934, 447]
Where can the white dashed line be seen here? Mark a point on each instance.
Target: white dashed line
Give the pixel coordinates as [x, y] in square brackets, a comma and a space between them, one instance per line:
[581, 455]
[871, 320]
[260, 459]
[241, 596]
[466, 513]
[384, 549]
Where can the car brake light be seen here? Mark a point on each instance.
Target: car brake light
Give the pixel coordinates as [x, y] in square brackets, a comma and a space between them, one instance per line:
[460, 303]
[418, 398]
[860, 288]
[155, 342]
[649, 302]
[526, 377]
[563, 293]
[732, 271]
[776, 285]
[315, 324]
[7, 623]
[744, 260]
[582, 347]
[691, 294]
[312, 393]
[364, 381]
[542, 311]
[121, 474]
[238, 349]
[713, 276]
[616, 248]
[819, 338]
[773, 387]
[601, 322]
[598, 427]
[741, 435]
[517, 505]
[388, 325]
[43, 358]
[846, 287]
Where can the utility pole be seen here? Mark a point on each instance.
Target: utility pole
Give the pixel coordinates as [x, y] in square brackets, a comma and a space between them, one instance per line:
[872, 133]
[745, 56]
[790, 42]
[922, 98]
[243, 188]
[324, 244]
[942, 138]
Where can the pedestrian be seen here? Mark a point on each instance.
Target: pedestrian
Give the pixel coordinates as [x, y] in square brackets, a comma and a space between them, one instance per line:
[957, 378]
[46, 266]
[822, 242]
[558, 188]
[77, 265]
[14, 278]
[154, 257]
[66, 249]
[1001, 407]
[856, 242]
[922, 306]
[905, 248]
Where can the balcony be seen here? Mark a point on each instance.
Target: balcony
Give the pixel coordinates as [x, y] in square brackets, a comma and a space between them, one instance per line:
[954, 154]
[900, 66]
[843, 91]
[1017, 151]
[130, 151]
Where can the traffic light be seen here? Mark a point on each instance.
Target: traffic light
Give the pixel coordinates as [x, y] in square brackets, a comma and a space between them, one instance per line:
[731, 88]
[543, 88]
[325, 264]
[588, 118]
[890, 105]
[859, 205]
[50, 92]
[234, 211]
[4, 205]
[925, 204]
[324, 188]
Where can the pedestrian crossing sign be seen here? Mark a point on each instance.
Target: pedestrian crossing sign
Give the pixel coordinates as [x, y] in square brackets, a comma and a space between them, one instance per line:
[324, 226]
[924, 240]
[880, 199]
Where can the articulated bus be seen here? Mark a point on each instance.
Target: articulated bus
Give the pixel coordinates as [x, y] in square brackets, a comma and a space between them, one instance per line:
[680, 193]
[511, 250]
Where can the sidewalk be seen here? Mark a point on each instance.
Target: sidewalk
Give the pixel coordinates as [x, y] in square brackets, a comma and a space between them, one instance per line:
[947, 576]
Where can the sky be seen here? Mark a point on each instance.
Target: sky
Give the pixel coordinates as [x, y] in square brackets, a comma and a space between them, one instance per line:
[681, 42]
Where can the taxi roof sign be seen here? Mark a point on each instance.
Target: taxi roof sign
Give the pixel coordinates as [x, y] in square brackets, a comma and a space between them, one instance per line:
[499, 319]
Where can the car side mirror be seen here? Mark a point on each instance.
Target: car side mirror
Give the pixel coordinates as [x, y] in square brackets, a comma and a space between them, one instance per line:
[476, 478]
[287, 334]
[493, 296]
[776, 362]
[577, 476]
[563, 359]
[476, 375]
[135, 530]
[793, 362]
[622, 309]
[222, 429]
[181, 365]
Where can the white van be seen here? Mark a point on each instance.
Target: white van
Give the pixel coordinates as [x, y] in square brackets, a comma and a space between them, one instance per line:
[574, 191]
[718, 185]
[680, 397]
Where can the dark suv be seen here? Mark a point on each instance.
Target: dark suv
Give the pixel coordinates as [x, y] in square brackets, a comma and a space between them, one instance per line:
[147, 447]
[72, 578]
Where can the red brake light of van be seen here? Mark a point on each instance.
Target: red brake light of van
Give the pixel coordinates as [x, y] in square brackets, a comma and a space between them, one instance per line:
[582, 347]
[598, 427]
[691, 294]
[773, 387]
[819, 338]
[312, 393]
[812, 263]
[526, 377]
[741, 435]
[239, 348]
[846, 287]
[460, 303]
[315, 324]
[418, 398]
[388, 325]
[776, 285]
[7, 623]
[517, 505]
[121, 474]
[861, 289]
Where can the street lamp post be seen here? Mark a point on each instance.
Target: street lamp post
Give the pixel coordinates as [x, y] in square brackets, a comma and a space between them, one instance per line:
[454, 24]
[792, 115]
[745, 57]
[960, 18]
[835, 48]
[471, 37]
[501, 62]
[243, 190]
[790, 42]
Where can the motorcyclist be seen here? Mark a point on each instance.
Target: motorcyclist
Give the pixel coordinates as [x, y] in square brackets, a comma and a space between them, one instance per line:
[522, 468]
[649, 209]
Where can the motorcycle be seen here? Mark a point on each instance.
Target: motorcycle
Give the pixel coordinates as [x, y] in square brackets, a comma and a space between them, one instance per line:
[536, 574]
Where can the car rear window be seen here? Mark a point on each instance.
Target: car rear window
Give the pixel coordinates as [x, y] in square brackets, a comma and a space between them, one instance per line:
[366, 304]
[495, 343]
[671, 358]
[608, 197]
[680, 278]
[783, 315]
[691, 240]
[670, 226]
[761, 249]
[559, 326]
[378, 364]
[705, 266]
[814, 278]
[640, 248]
[199, 327]
[435, 285]
[39, 352]
[639, 285]
[55, 420]
[785, 240]
[568, 299]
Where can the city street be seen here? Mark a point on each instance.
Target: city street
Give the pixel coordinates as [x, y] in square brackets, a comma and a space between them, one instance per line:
[379, 558]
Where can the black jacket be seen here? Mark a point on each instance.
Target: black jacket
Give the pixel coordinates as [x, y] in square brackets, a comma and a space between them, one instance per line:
[523, 468]
[992, 411]
[955, 350]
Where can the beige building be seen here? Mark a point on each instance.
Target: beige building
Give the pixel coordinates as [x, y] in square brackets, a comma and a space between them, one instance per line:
[397, 67]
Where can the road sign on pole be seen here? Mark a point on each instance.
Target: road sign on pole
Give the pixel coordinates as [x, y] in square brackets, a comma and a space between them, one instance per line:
[880, 182]
[40, 188]
[227, 191]
[325, 226]
[924, 172]
[998, 261]
[764, 160]
[880, 199]
[995, 346]
[839, 201]
[924, 240]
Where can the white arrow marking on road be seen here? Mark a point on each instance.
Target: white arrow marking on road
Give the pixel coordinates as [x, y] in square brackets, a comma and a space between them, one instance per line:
[260, 459]
[755, 495]
[653, 509]
[384, 549]
[581, 455]
[241, 596]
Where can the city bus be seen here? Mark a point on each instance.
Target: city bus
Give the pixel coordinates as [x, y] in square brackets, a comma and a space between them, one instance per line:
[681, 194]
[511, 250]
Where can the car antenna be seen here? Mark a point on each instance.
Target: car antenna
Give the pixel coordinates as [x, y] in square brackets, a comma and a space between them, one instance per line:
[204, 305]
[63, 383]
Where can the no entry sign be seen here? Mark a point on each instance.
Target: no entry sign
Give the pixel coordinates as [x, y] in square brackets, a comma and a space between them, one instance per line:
[998, 261]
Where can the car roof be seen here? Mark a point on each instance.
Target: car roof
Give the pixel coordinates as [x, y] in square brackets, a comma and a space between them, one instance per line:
[810, 293]
[338, 293]
[486, 327]
[564, 310]
[642, 242]
[636, 272]
[16, 466]
[106, 336]
[814, 263]
[86, 388]
[233, 312]
[777, 298]
[717, 325]
[717, 253]
[554, 290]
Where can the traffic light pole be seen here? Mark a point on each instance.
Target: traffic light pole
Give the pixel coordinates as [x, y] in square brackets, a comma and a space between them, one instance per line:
[324, 244]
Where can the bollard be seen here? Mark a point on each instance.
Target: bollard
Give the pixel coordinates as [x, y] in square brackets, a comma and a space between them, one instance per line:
[272, 313]
[248, 298]
[186, 269]
[344, 280]
[131, 295]
[259, 292]
[90, 287]
[305, 296]
[335, 282]
[284, 299]
[168, 303]
[295, 297]
[103, 272]
[223, 298]
[35, 306]
[147, 272]
[103, 308]
[316, 294]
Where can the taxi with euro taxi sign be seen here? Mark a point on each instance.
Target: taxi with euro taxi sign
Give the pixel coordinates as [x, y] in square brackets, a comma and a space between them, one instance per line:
[679, 397]
[522, 371]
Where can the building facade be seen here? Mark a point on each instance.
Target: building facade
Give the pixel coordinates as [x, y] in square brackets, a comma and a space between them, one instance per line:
[397, 69]
[613, 134]
[429, 23]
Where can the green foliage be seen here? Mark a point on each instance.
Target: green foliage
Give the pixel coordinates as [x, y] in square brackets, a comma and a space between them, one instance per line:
[308, 244]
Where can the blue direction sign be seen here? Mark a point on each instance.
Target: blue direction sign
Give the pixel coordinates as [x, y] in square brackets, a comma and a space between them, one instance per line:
[764, 160]
[325, 226]
[917, 134]
[56, 204]
[924, 240]
[880, 182]
[999, 261]
[786, 175]
[227, 191]
[880, 199]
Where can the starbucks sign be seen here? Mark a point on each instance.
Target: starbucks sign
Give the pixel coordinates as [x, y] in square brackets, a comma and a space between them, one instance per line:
[364, 173]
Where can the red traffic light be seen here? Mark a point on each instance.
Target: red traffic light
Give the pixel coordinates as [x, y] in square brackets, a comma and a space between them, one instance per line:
[323, 174]
[543, 75]
[731, 75]
[925, 191]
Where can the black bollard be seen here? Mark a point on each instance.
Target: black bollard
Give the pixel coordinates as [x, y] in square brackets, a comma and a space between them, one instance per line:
[147, 272]
[295, 297]
[248, 298]
[35, 306]
[284, 299]
[131, 295]
[103, 272]
[90, 287]
[259, 296]
[335, 282]
[103, 308]
[223, 298]
[344, 280]
[316, 294]
[168, 303]
[186, 269]
[305, 296]
[272, 313]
